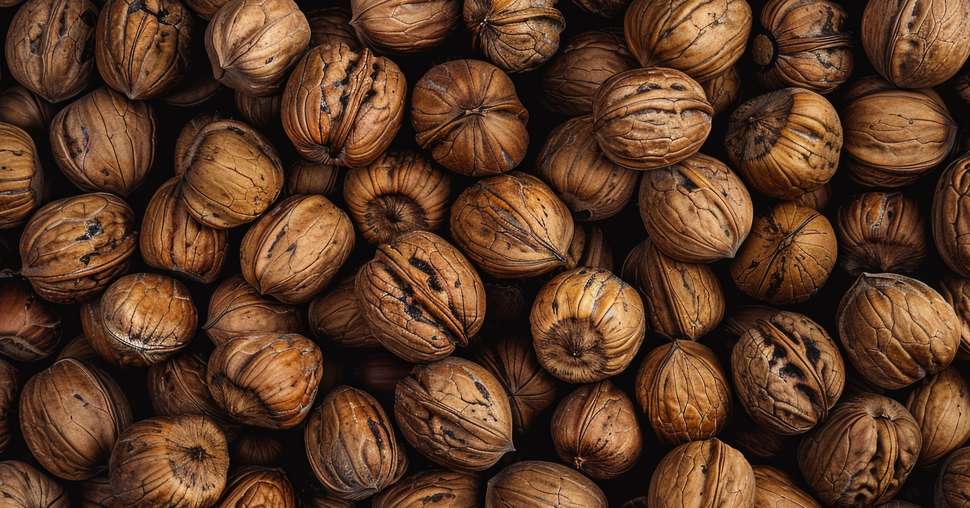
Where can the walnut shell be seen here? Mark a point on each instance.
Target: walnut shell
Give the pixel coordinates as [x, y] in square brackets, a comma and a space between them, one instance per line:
[22, 188]
[862, 454]
[467, 114]
[263, 112]
[205, 9]
[516, 35]
[72, 248]
[24, 109]
[194, 90]
[237, 309]
[96, 493]
[896, 330]
[70, 416]
[602, 8]
[253, 43]
[817, 199]
[187, 137]
[512, 226]
[540, 484]
[775, 488]
[252, 449]
[702, 473]
[953, 483]
[79, 348]
[590, 248]
[788, 256]
[941, 407]
[431, 489]
[23, 486]
[30, 330]
[530, 388]
[305, 177]
[178, 386]
[951, 210]
[404, 26]
[881, 232]
[255, 487]
[723, 90]
[650, 118]
[9, 388]
[324, 500]
[455, 413]
[337, 315]
[570, 81]
[331, 22]
[956, 292]
[963, 86]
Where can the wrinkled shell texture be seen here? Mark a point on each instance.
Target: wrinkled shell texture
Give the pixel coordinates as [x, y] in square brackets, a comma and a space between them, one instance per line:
[177, 386]
[455, 413]
[863, 452]
[953, 483]
[257, 450]
[337, 316]
[570, 81]
[306, 177]
[433, 489]
[331, 22]
[531, 389]
[776, 489]
[532, 483]
[21, 176]
[941, 407]
[723, 90]
[237, 309]
[25, 109]
[467, 114]
[590, 248]
[516, 35]
[21, 485]
[404, 26]
[956, 292]
[263, 112]
[881, 232]
[702, 473]
[259, 487]
[9, 388]
[650, 118]
[30, 329]
[951, 216]
[896, 330]
[205, 8]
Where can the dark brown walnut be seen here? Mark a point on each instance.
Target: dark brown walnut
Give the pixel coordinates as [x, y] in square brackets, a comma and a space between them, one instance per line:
[95, 493]
[50, 47]
[516, 35]
[79, 348]
[587, 325]
[723, 90]
[788, 256]
[404, 26]
[237, 309]
[322, 499]
[343, 106]
[254, 449]
[512, 226]
[187, 134]
[140, 320]
[30, 329]
[178, 386]
[252, 44]
[9, 389]
[540, 484]
[378, 372]
[650, 118]
[21, 485]
[455, 413]
[862, 454]
[305, 177]
[530, 388]
[570, 81]
[437, 488]
[785, 143]
[266, 380]
[683, 391]
[755, 442]
[331, 22]
[337, 316]
[170, 461]
[205, 9]
[953, 482]
[595, 430]
[24, 109]
[255, 487]
[700, 38]
[702, 473]
[775, 488]
[696, 210]
[420, 297]
[941, 406]
[467, 114]
[571, 162]
[881, 232]
[352, 446]
[397, 193]
[817, 199]
[22, 185]
[963, 86]
[262, 112]
[72, 248]
[956, 292]
[197, 87]
[602, 8]
[788, 373]
[71, 414]
[951, 216]
[590, 248]
[896, 330]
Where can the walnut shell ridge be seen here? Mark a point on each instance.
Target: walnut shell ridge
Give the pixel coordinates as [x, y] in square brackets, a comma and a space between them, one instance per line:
[697, 472]
[951, 213]
[881, 232]
[953, 483]
[236, 308]
[516, 35]
[23, 485]
[338, 316]
[571, 79]
[23, 187]
[31, 329]
[252, 487]
[404, 26]
[776, 488]
[531, 389]
[956, 292]
[178, 386]
[453, 489]
[941, 407]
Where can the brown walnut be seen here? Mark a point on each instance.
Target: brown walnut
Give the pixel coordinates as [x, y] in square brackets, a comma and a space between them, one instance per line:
[881, 232]
[95, 493]
[260, 111]
[178, 386]
[331, 22]
[79, 348]
[252, 449]
[25, 109]
[23, 486]
[570, 81]
[516, 35]
[404, 26]
[774, 488]
[530, 388]
[337, 315]
[951, 216]
[963, 86]
[187, 134]
[540, 484]
[22, 183]
[941, 406]
[817, 199]
[956, 292]
[255, 487]
[590, 248]
[378, 372]
[602, 8]
[723, 90]
[195, 89]
[437, 488]
[237, 309]
[305, 177]
[953, 483]
[9, 390]
[30, 329]
[702, 473]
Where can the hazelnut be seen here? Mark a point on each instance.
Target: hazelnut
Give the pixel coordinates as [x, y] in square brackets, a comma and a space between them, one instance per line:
[590, 248]
[23, 188]
[404, 26]
[331, 22]
[260, 111]
[237, 309]
[454, 489]
[940, 404]
[540, 484]
[178, 386]
[950, 212]
[530, 388]
[570, 81]
[252, 487]
[337, 315]
[956, 292]
[9, 388]
[21, 485]
[30, 329]
[24, 109]
[723, 90]
[252, 449]
[516, 35]
[775, 488]
[881, 232]
[305, 177]
[953, 482]
[695, 473]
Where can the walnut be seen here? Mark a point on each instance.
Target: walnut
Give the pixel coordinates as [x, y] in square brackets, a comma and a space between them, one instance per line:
[881, 232]
[963, 86]
[261, 111]
[23, 187]
[23, 486]
[378, 372]
[30, 329]
[951, 210]
[540, 484]
[404, 26]
[195, 89]
[331, 22]
[757, 442]
[699, 472]
[817, 199]
[205, 9]
[953, 482]
[9, 390]
[428, 488]
[723, 90]
[305, 177]
[956, 292]
[775, 488]
[96, 493]
[187, 137]
[941, 406]
[337, 315]
[602, 8]
[237, 309]
[24, 109]
[516, 35]
[178, 386]
[590, 248]
[79, 348]
[570, 81]
[530, 388]
[253, 487]
[252, 449]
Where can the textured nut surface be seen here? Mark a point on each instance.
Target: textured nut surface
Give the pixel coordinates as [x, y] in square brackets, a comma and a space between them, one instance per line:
[31, 329]
[237, 309]
[516, 35]
[22, 186]
[254, 487]
[941, 406]
[404, 26]
[540, 484]
[331, 22]
[590, 248]
[337, 315]
[251, 449]
[956, 292]
[531, 389]
[23, 485]
[9, 390]
[95, 493]
[178, 386]
[571, 79]
[702, 473]
[881, 232]
[953, 483]
[24, 109]
[437, 488]
[774, 488]
[261, 111]
[951, 216]
[305, 177]
[723, 90]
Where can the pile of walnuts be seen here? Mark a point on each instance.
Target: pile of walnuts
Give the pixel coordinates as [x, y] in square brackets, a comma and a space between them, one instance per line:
[485, 253]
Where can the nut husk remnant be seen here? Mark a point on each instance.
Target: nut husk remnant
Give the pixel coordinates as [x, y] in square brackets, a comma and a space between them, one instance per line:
[531, 389]
[941, 406]
[30, 329]
[570, 81]
[237, 309]
[437, 487]
[21, 485]
[881, 232]
[951, 216]
[252, 487]
[695, 473]
[516, 35]
[22, 186]
[404, 26]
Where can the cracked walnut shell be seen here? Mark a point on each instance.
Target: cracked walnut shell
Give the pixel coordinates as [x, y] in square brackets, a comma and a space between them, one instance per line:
[30, 330]
[531, 389]
[21, 485]
[941, 407]
[951, 216]
[516, 35]
[695, 473]
[22, 182]
[570, 81]
[540, 484]
[404, 26]
[881, 232]
[452, 489]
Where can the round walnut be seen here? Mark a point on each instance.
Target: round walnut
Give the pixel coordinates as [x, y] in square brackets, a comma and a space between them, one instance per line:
[72, 248]
[305, 177]
[519, 35]
[453, 489]
[650, 118]
[22, 486]
[30, 329]
[24, 109]
[95, 493]
[696, 473]
[177, 461]
[817, 199]
[397, 193]
[953, 482]
[774, 488]
[863, 452]
[786, 142]
[540, 484]
[512, 226]
[70, 416]
[253, 487]
[570, 81]
[253, 43]
[187, 137]
[9, 388]
[683, 391]
[343, 106]
[195, 89]
[700, 38]
[337, 315]
[587, 325]
[788, 256]
[22, 186]
[788, 373]
[881, 232]
[79, 348]
[404, 26]
[941, 406]
[352, 446]
[50, 47]
[455, 413]
[467, 114]
[252, 449]
[177, 386]
[956, 292]
[723, 90]
[262, 112]
[896, 330]
[951, 216]
[205, 9]
[590, 248]
[420, 297]
[530, 388]
[331, 22]
[237, 309]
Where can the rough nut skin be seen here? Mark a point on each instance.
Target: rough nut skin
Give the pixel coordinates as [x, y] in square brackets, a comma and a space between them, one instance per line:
[587, 325]
[467, 114]
[775, 489]
[650, 118]
[531, 389]
[437, 488]
[331, 22]
[896, 330]
[951, 216]
[592, 186]
[788, 373]
[404, 26]
[256, 487]
[702, 474]
[540, 484]
[237, 309]
[72, 248]
[30, 329]
[805, 44]
[180, 461]
[516, 35]
[70, 416]
[305, 177]
[22, 183]
[696, 210]
[343, 106]
[512, 226]
[50, 47]
[699, 37]
[253, 43]
[684, 392]
[590, 248]
[953, 483]
[863, 452]
[785, 143]
[956, 292]
[570, 81]
[941, 406]
[293, 250]
[337, 316]
[397, 193]
[881, 232]
[23, 486]
[231, 174]
[9, 389]
[24, 109]
[352, 446]
[266, 380]
[787, 257]
[723, 90]
[177, 386]
[455, 413]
